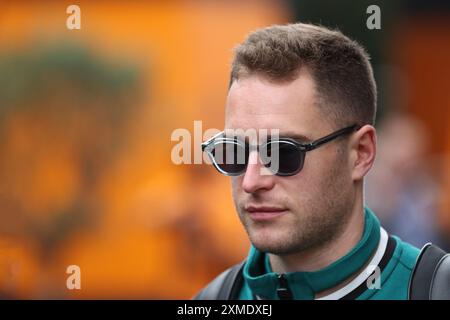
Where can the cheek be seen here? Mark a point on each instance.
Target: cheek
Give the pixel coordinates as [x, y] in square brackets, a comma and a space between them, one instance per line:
[300, 189]
[236, 183]
[312, 173]
[326, 163]
[317, 179]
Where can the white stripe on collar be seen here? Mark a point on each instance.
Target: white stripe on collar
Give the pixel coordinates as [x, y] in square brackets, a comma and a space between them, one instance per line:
[356, 282]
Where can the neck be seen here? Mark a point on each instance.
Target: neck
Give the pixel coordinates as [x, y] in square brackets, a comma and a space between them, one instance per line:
[324, 255]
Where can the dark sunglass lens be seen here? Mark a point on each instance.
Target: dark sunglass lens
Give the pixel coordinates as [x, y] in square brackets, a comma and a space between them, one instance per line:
[283, 158]
[230, 156]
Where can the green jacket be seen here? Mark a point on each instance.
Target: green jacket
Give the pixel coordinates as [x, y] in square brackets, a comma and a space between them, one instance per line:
[389, 264]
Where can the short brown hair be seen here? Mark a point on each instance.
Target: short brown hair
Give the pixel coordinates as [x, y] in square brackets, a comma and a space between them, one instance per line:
[339, 66]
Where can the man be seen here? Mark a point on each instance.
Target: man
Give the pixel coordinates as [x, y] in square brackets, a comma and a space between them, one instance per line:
[311, 235]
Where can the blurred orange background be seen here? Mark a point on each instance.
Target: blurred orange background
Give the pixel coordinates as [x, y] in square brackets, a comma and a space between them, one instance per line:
[86, 118]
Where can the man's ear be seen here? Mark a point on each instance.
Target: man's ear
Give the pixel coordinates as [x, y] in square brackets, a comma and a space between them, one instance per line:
[363, 148]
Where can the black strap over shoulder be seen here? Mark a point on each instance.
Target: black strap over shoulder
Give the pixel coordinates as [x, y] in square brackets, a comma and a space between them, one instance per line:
[225, 287]
[440, 287]
[430, 279]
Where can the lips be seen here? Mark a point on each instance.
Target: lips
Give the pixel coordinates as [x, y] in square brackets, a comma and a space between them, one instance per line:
[265, 213]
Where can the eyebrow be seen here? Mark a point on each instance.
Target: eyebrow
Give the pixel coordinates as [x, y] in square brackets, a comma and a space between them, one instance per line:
[295, 136]
[286, 134]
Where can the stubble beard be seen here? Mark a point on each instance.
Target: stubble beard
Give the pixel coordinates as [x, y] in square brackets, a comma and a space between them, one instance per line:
[314, 225]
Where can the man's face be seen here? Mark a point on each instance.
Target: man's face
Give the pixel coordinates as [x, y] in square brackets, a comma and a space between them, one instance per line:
[285, 215]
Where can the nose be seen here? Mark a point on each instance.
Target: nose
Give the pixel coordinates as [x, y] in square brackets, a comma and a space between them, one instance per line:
[257, 177]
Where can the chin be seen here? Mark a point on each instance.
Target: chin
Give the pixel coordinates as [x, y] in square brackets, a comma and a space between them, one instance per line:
[274, 248]
[271, 242]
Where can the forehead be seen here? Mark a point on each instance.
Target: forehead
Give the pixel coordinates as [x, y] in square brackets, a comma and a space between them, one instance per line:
[254, 102]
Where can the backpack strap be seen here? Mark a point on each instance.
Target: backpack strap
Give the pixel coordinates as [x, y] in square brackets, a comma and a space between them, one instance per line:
[440, 285]
[225, 286]
[433, 265]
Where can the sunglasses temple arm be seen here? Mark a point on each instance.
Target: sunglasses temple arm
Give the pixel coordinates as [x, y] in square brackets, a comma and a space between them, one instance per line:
[313, 145]
[210, 140]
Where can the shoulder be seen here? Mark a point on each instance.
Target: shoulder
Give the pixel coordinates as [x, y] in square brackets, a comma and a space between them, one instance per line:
[406, 253]
[396, 274]
[223, 286]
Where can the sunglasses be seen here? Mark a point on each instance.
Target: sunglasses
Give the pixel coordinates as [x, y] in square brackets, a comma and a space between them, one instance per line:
[230, 155]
